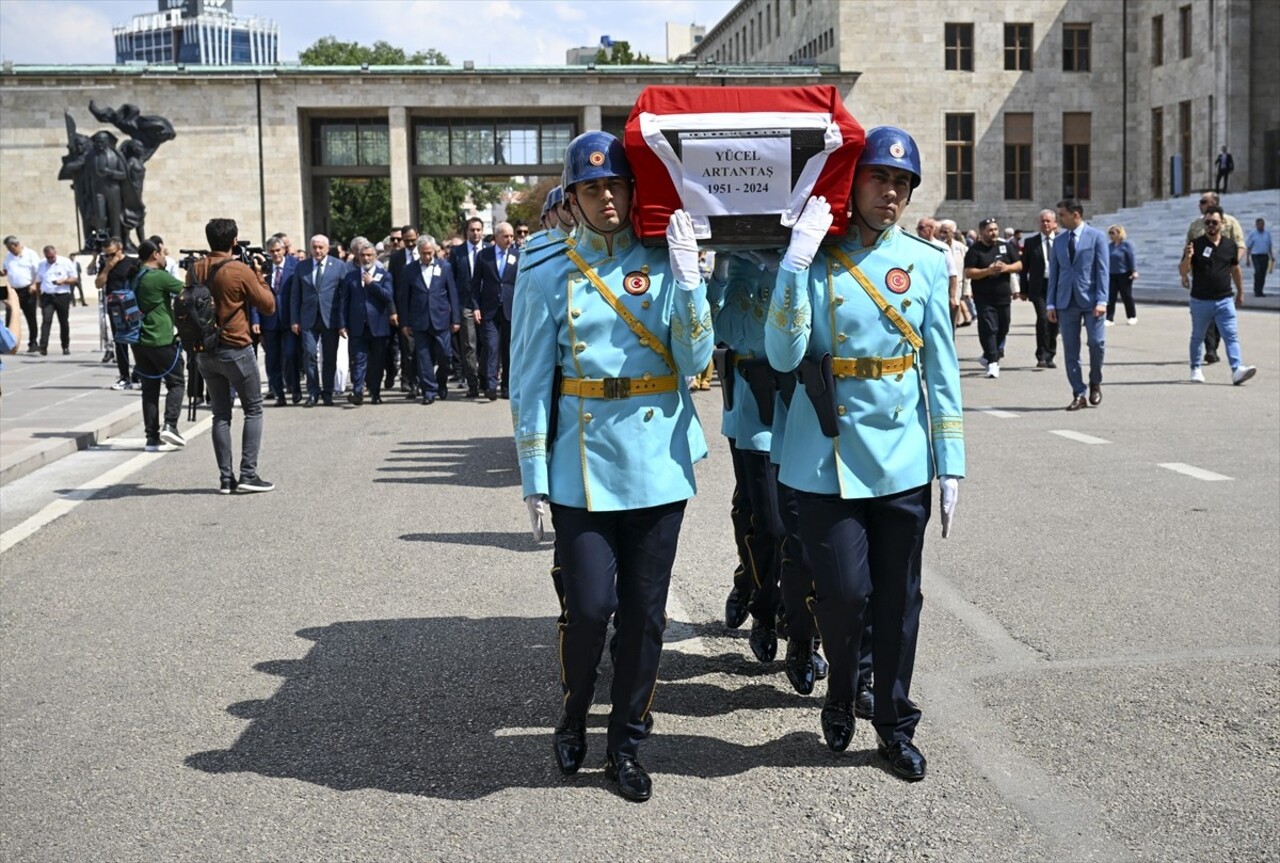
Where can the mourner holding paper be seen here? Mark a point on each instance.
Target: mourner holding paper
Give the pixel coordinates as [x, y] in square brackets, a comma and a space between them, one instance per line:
[607, 435]
[867, 322]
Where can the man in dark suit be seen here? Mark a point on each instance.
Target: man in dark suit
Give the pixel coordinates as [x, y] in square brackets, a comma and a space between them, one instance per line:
[1079, 284]
[400, 346]
[463, 258]
[278, 343]
[1036, 253]
[492, 288]
[427, 298]
[366, 307]
[315, 315]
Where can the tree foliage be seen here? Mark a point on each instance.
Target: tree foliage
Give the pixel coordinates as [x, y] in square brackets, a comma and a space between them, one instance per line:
[621, 55]
[328, 51]
[529, 208]
[359, 208]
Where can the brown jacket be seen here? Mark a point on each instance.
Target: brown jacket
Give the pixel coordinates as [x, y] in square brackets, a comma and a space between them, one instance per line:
[234, 289]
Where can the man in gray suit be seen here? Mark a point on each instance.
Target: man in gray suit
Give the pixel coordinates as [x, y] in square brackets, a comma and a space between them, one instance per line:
[315, 302]
[1079, 282]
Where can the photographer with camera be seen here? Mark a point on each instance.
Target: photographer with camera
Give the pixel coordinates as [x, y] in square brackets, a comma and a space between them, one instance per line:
[158, 355]
[235, 288]
[114, 269]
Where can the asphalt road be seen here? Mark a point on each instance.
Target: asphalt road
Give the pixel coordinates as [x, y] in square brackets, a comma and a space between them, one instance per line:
[361, 665]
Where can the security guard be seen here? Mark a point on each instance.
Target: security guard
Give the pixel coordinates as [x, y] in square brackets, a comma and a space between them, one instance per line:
[607, 436]
[867, 322]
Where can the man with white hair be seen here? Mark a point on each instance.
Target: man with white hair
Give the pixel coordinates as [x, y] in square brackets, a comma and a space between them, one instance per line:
[316, 315]
[947, 235]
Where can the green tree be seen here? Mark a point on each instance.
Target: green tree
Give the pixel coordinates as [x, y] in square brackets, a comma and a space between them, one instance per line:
[621, 55]
[440, 205]
[328, 51]
[529, 208]
[359, 207]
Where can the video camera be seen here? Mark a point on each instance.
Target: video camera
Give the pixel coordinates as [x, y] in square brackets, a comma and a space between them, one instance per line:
[244, 252]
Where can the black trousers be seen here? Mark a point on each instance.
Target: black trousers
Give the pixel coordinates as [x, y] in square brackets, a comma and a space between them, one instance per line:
[391, 360]
[504, 352]
[28, 300]
[1220, 182]
[1046, 330]
[615, 561]
[1260, 263]
[740, 517]
[1212, 339]
[156, 366]
[51, 305]
[860, 549]
[764, 543]
[993, 329]
[1121, 287]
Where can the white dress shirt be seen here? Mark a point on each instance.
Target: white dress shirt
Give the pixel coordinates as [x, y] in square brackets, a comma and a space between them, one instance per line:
[23, 268]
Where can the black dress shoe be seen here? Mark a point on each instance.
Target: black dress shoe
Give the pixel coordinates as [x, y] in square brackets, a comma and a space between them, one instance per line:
[281, 402]
[297, 397]
[864, 706]
[904, 759]
[570, 744]
[1041, 364]
[443, 394]
[411, 394]
[633, 781]
[328, 401]
[820, 666]
[491, 395]
[1095, 394]
[799, 665]
[504, 394]
[735, 608]
[1209, 359]
[1077, 403]
[1050, 364]
[375, 400]
[312, 401]
[356, 398]
[837, 724]
[781, 624]
[473, 393]
[428, 400]
[763, 640]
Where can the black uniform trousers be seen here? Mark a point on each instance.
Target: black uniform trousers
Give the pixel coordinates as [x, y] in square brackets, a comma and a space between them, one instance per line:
[615, 561]
[740, 517]
[764, 543]
[859, 548]
[796, 578]
[1046, 330]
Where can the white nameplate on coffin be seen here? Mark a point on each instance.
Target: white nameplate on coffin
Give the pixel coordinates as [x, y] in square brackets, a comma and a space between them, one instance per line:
[736, 172]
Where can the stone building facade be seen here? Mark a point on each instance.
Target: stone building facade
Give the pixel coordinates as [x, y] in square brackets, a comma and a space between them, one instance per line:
[1042, 99]
[257, 144]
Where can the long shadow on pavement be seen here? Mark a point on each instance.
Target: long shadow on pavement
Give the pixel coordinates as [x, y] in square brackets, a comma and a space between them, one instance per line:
[488, 462]
[459, 709]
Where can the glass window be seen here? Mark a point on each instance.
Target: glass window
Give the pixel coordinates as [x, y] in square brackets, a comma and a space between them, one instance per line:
[959, 47]
[1075, 47]
[1157, 40]
[431, 144]
[1017, 47]
[1076, 134]
[348, 143]
[556, 136]
[518, 143]
[471, 143]
[1184, 31]
[959, 157]
[1018, 139]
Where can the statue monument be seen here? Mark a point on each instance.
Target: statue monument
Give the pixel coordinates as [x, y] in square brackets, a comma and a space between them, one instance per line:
[107, 176]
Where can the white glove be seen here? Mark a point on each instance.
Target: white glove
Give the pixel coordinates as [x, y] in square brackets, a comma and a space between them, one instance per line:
[949, 487]
[808, 232]
[764, 259]
[683, 250]
[537, 504]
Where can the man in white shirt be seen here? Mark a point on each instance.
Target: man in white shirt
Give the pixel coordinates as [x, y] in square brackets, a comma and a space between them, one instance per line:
[57, 277]
[20, 267]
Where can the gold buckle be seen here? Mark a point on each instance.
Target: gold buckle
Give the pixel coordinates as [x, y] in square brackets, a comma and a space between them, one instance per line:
[871, 368]
[617, 388]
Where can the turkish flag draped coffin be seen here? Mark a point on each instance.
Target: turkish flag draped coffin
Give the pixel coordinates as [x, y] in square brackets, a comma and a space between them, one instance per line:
[741, 161]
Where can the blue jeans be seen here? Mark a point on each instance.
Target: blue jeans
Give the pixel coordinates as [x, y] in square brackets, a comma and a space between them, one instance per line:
[224, 369]
[1223, 313]
[1069, 322]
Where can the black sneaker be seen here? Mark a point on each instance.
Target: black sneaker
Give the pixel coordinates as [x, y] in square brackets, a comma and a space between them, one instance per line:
[227, 486]
[256, 483]
[170, 434]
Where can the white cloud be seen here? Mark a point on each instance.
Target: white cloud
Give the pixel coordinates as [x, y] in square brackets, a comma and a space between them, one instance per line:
[57, 33]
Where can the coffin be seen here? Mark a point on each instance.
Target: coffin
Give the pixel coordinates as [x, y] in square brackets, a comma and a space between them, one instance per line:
[741, 161]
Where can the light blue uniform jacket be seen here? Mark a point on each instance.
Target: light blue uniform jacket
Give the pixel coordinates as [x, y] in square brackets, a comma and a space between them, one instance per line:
[607, 455]
[541, 247]
[891, 439]
[740, 324]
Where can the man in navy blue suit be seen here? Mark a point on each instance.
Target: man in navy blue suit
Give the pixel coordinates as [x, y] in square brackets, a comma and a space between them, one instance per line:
[427, 298]
[492, 289]
[462, 258]
[314, 315]
[366, 307]
[1079, 282]
[278, 342]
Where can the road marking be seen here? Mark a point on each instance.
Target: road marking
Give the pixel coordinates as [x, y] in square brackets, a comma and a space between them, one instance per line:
[1193, 471]
[1079, 437]
[995, 412]
[88, 491]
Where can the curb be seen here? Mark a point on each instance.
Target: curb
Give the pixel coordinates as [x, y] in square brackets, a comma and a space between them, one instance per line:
[82, 437]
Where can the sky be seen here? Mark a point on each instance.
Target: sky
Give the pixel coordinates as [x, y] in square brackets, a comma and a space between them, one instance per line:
[489, 32]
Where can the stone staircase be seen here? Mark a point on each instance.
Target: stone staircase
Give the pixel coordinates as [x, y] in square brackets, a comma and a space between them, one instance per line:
[1158, 231]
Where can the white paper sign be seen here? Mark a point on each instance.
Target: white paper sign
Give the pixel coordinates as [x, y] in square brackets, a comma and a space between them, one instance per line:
[737, 172]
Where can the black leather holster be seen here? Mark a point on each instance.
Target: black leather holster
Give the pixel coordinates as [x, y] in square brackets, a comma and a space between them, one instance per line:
[820, 385]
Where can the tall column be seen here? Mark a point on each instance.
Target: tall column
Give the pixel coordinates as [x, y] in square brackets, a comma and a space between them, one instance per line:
[590, 118]
[401, 188]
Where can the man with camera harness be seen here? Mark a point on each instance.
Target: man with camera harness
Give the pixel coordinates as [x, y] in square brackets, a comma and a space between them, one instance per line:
[232, 364]
[114, 269]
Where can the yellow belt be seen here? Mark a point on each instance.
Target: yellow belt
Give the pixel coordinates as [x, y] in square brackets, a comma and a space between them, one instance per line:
[738, 359]
[617, 388]
[871, 368]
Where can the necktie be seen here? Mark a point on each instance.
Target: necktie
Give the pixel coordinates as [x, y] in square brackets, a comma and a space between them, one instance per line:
[500, 259]
[1071, 246]
[275, 281]
[319, 270]
[472, 262]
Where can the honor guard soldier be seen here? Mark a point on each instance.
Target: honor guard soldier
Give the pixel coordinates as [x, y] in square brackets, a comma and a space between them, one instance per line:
[867, 322]
[607, 436]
